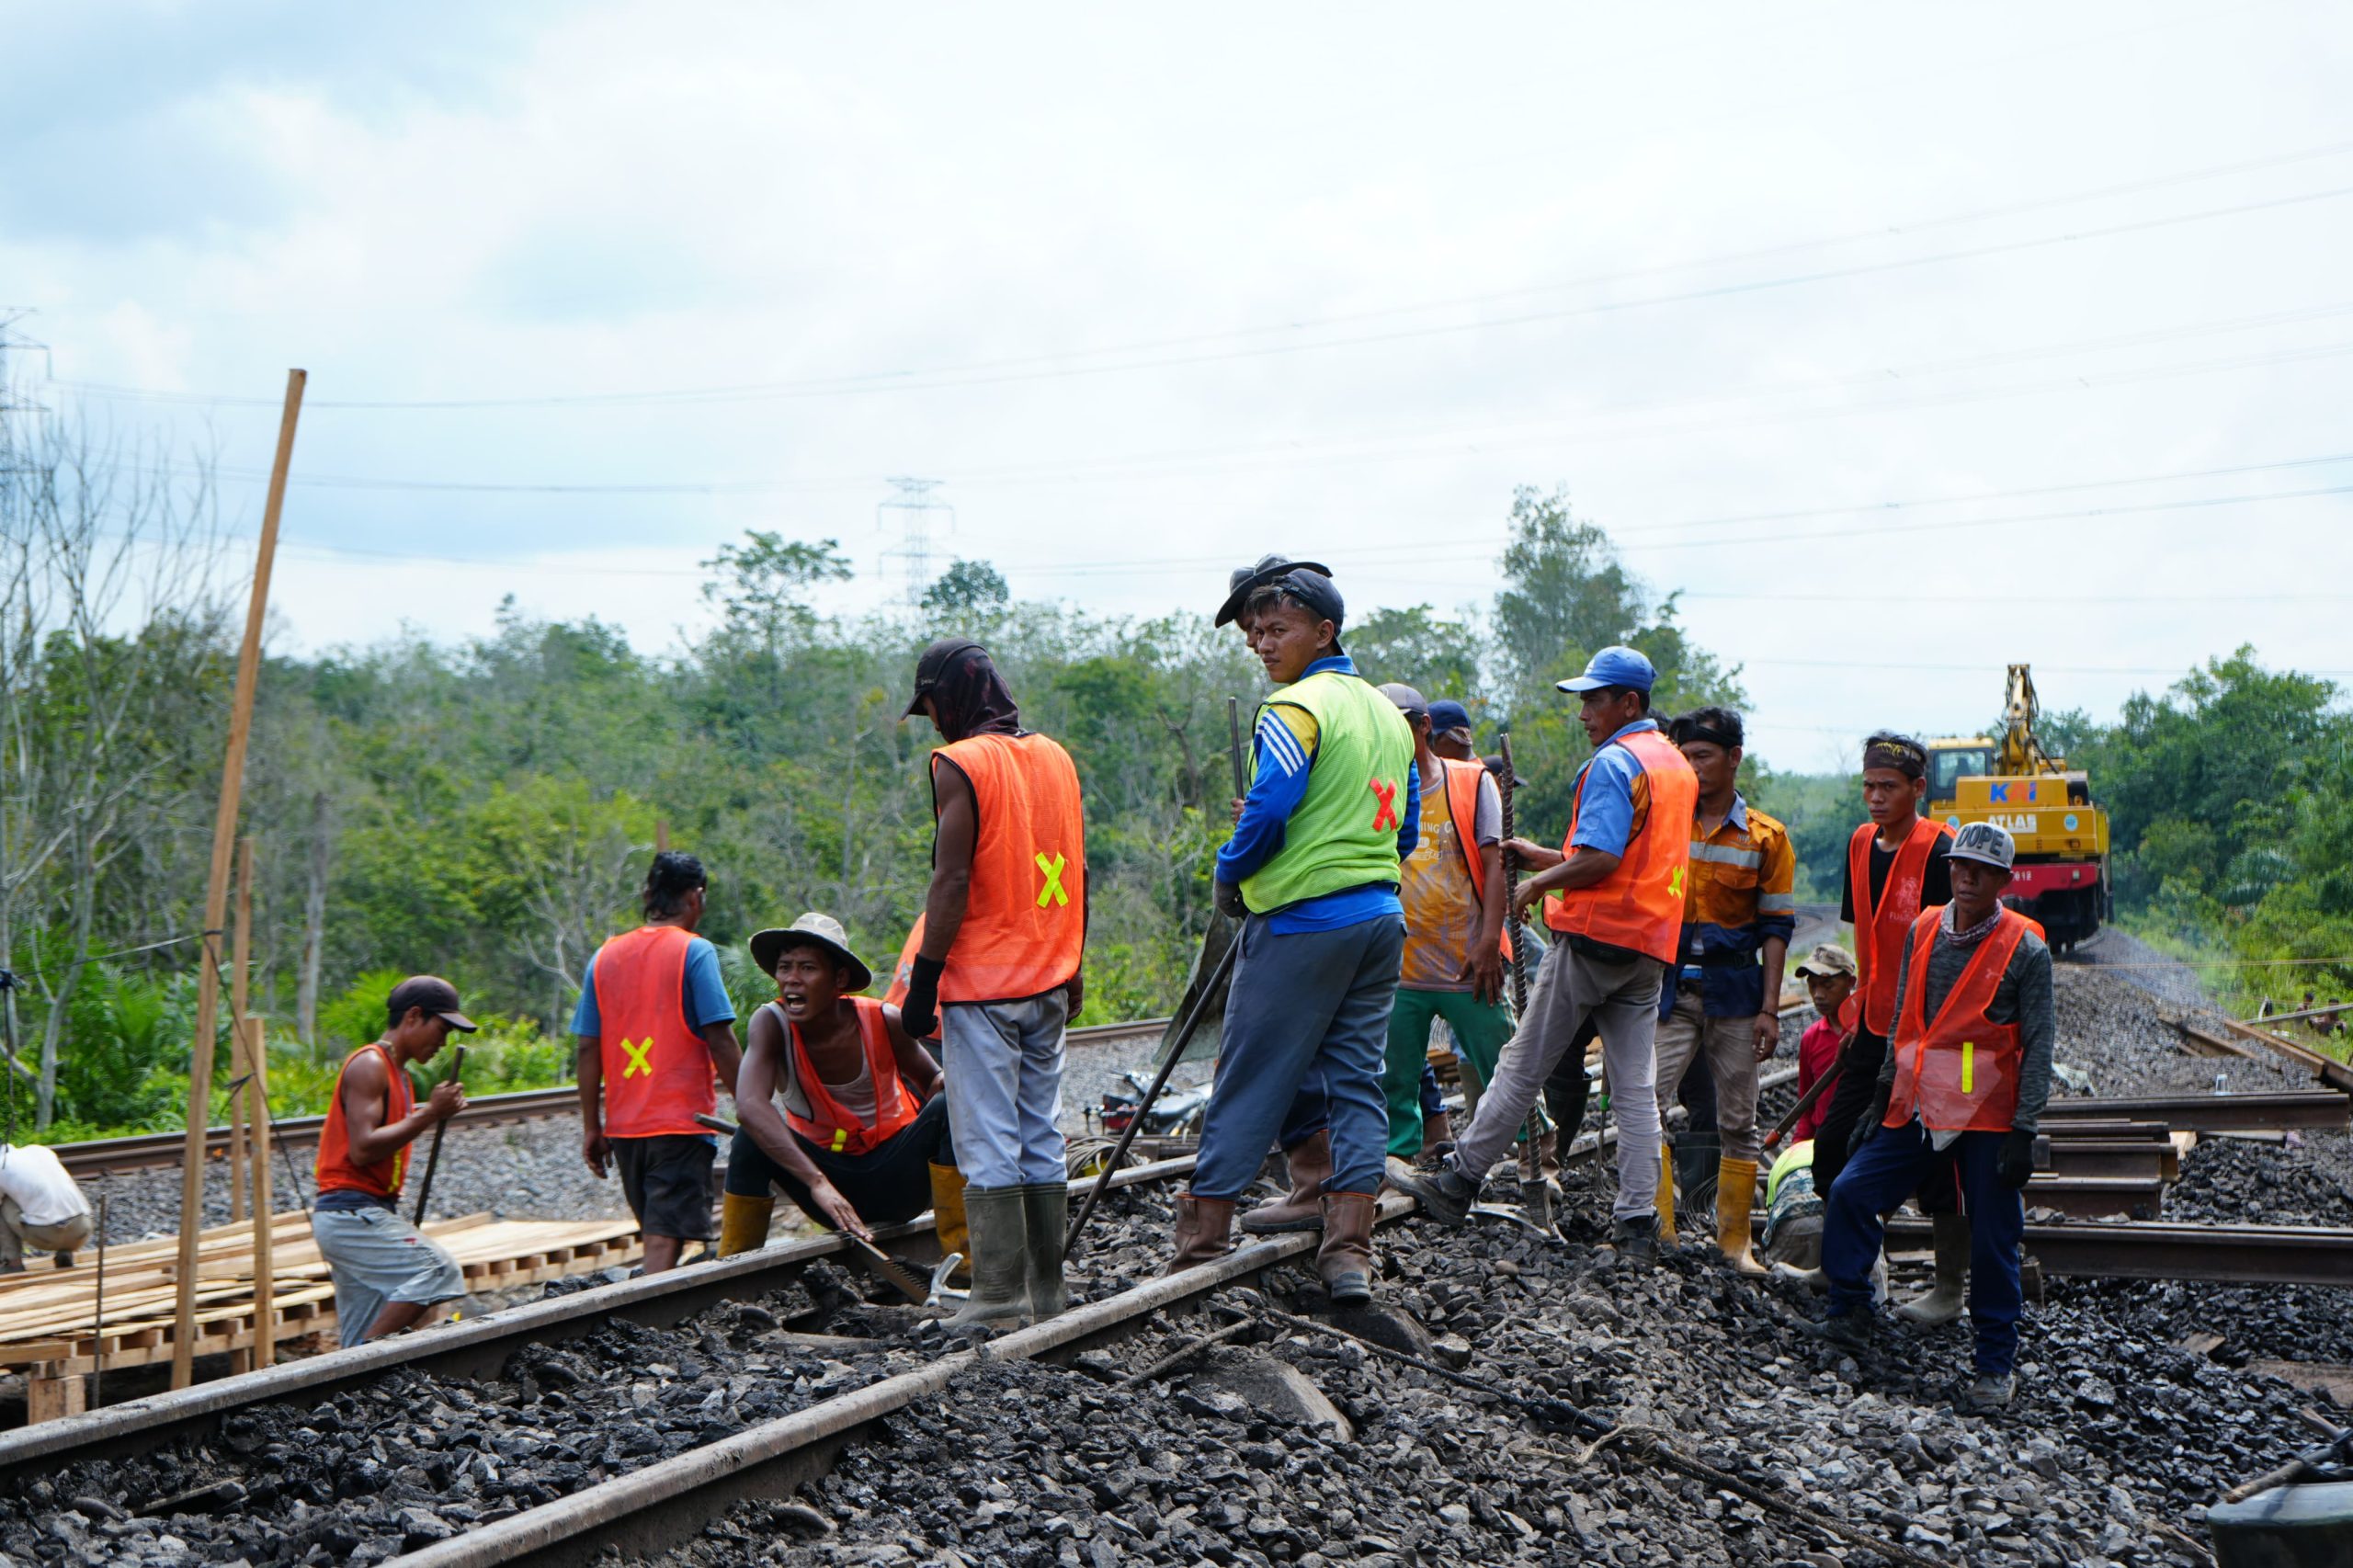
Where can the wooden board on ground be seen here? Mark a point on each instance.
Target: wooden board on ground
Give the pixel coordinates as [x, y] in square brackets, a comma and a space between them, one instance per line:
[47, 1323]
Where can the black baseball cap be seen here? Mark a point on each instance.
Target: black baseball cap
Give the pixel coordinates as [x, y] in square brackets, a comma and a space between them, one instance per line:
[1248, 580]
[932, 664]
[433, 994]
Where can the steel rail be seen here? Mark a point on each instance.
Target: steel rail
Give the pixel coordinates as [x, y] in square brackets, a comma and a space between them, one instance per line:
[2325, 1068]
[2232, 1254]
[475, 1347]
[648, 1510]
[2323, 1109]
[149, 1150]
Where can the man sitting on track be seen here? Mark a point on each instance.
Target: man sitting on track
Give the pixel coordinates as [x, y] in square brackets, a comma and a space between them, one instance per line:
[388, 1276]
[838, 1107]
[1968, 1071]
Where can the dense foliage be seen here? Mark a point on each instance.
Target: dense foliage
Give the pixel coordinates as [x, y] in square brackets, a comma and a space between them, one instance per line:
[484, 809]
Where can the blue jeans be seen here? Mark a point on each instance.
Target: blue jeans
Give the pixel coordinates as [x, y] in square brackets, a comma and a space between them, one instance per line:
[1884, 1173]
[1306, 1030]
[1002, 1065]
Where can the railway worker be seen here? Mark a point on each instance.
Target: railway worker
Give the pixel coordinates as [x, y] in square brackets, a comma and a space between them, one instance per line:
[1722, 1012]
[997, 972]
[837, 1105]
[1451, 734]
[1828, 973]
[1895, 868]
[1451, 889]
[1967, 1077]
[41, 1206]
[655, 1022]
[1619, 876]
[387, 1276]
[1312, 869]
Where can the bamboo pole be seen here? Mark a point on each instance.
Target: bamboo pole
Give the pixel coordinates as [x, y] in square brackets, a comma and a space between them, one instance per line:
[265, 1232]
[216, 897]
[241, 954]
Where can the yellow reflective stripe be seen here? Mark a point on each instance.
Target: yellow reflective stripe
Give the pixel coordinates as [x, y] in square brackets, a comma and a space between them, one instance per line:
[1968, 1066]
[841, 1137]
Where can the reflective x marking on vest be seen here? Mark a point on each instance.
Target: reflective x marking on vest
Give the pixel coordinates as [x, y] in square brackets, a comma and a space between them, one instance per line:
[1053, 888]
[1675, 882]
[1385, 814]
[641, 1055]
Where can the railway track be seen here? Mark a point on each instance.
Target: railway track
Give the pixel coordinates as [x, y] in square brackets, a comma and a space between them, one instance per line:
[150, 1150]
[664, 1500]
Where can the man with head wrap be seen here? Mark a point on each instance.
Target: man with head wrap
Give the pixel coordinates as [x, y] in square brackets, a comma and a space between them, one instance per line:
[1313, 869]
[997, 972]
[1896, 866]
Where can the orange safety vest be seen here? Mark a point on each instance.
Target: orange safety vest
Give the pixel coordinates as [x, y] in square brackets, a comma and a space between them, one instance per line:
[1899, 905]
[1639, 904]
[336, 1171]
[1025, 917]
[1961, 1073]
[658, 1074]
[833, 1129]
[1462, 808]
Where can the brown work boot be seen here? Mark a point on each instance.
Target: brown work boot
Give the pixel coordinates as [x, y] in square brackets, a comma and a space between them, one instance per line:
[1310, 1163]
[1438, 1135]
[1344, 1260]
[1204, 1230]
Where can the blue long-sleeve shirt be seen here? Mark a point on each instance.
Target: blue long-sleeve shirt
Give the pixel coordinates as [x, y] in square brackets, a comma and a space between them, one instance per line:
[1278, 787]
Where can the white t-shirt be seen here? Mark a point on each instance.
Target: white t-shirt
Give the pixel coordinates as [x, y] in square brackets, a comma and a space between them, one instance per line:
[37, 1179]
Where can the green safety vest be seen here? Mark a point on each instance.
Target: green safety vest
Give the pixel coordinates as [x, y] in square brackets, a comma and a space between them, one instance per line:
[1344, 833]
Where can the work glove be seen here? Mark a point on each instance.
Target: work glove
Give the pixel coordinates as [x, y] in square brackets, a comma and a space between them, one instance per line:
[919, 1013]
[1229, 899]
[1869, 1124]
[2014, 1164]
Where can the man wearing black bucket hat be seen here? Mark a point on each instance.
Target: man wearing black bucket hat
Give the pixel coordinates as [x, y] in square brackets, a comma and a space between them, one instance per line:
[839, 1106]
[1312, 867]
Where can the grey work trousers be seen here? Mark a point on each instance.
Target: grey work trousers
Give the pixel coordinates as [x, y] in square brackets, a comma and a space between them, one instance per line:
[1730, 1047]
[1623, 1000]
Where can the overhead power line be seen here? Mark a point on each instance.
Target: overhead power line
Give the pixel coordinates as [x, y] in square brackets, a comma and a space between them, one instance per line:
[1052, 367]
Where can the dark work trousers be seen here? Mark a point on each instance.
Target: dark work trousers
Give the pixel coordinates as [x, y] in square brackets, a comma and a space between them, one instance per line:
[891, 1181]
[1850, 1098]
[1697, 1093]
[1885, 1172]
[1306, 1035]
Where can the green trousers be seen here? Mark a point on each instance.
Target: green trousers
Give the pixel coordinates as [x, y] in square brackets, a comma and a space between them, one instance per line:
[1481, 1028]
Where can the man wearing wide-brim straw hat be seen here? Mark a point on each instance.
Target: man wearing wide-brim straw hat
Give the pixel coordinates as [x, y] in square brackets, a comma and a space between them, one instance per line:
[839, 1107]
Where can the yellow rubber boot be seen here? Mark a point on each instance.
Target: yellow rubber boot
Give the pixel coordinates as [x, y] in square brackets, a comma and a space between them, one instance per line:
[1666, 1195]
[948, 1217]
[743, 1224]
[1735, 1193]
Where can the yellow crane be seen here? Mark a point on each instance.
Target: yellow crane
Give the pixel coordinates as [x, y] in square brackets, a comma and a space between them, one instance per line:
[2060, 877]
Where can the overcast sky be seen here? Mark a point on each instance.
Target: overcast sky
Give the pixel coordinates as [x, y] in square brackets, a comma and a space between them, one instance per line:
[1906, 341]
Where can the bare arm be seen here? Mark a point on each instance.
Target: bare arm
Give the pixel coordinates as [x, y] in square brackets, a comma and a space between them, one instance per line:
[366, 1086]
[916, 1065]
[719, 1038]
[1533, 857]
[591, 1072]
[1581, 869]
[1484, 967]
[952, 859]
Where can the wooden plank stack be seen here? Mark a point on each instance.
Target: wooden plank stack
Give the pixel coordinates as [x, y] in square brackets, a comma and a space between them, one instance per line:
[49, 1325]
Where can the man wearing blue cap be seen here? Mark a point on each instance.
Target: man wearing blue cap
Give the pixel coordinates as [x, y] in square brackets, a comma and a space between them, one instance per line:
[1618, 909]
[1313, 869]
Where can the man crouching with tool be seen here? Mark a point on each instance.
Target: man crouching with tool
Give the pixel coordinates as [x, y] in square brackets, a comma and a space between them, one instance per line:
[839, 1107]
[1968, 1072]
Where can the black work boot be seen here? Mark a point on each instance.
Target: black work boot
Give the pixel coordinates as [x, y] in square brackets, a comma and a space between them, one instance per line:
[1848, 1330]
[1636, 1239]
[1445, 1194]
